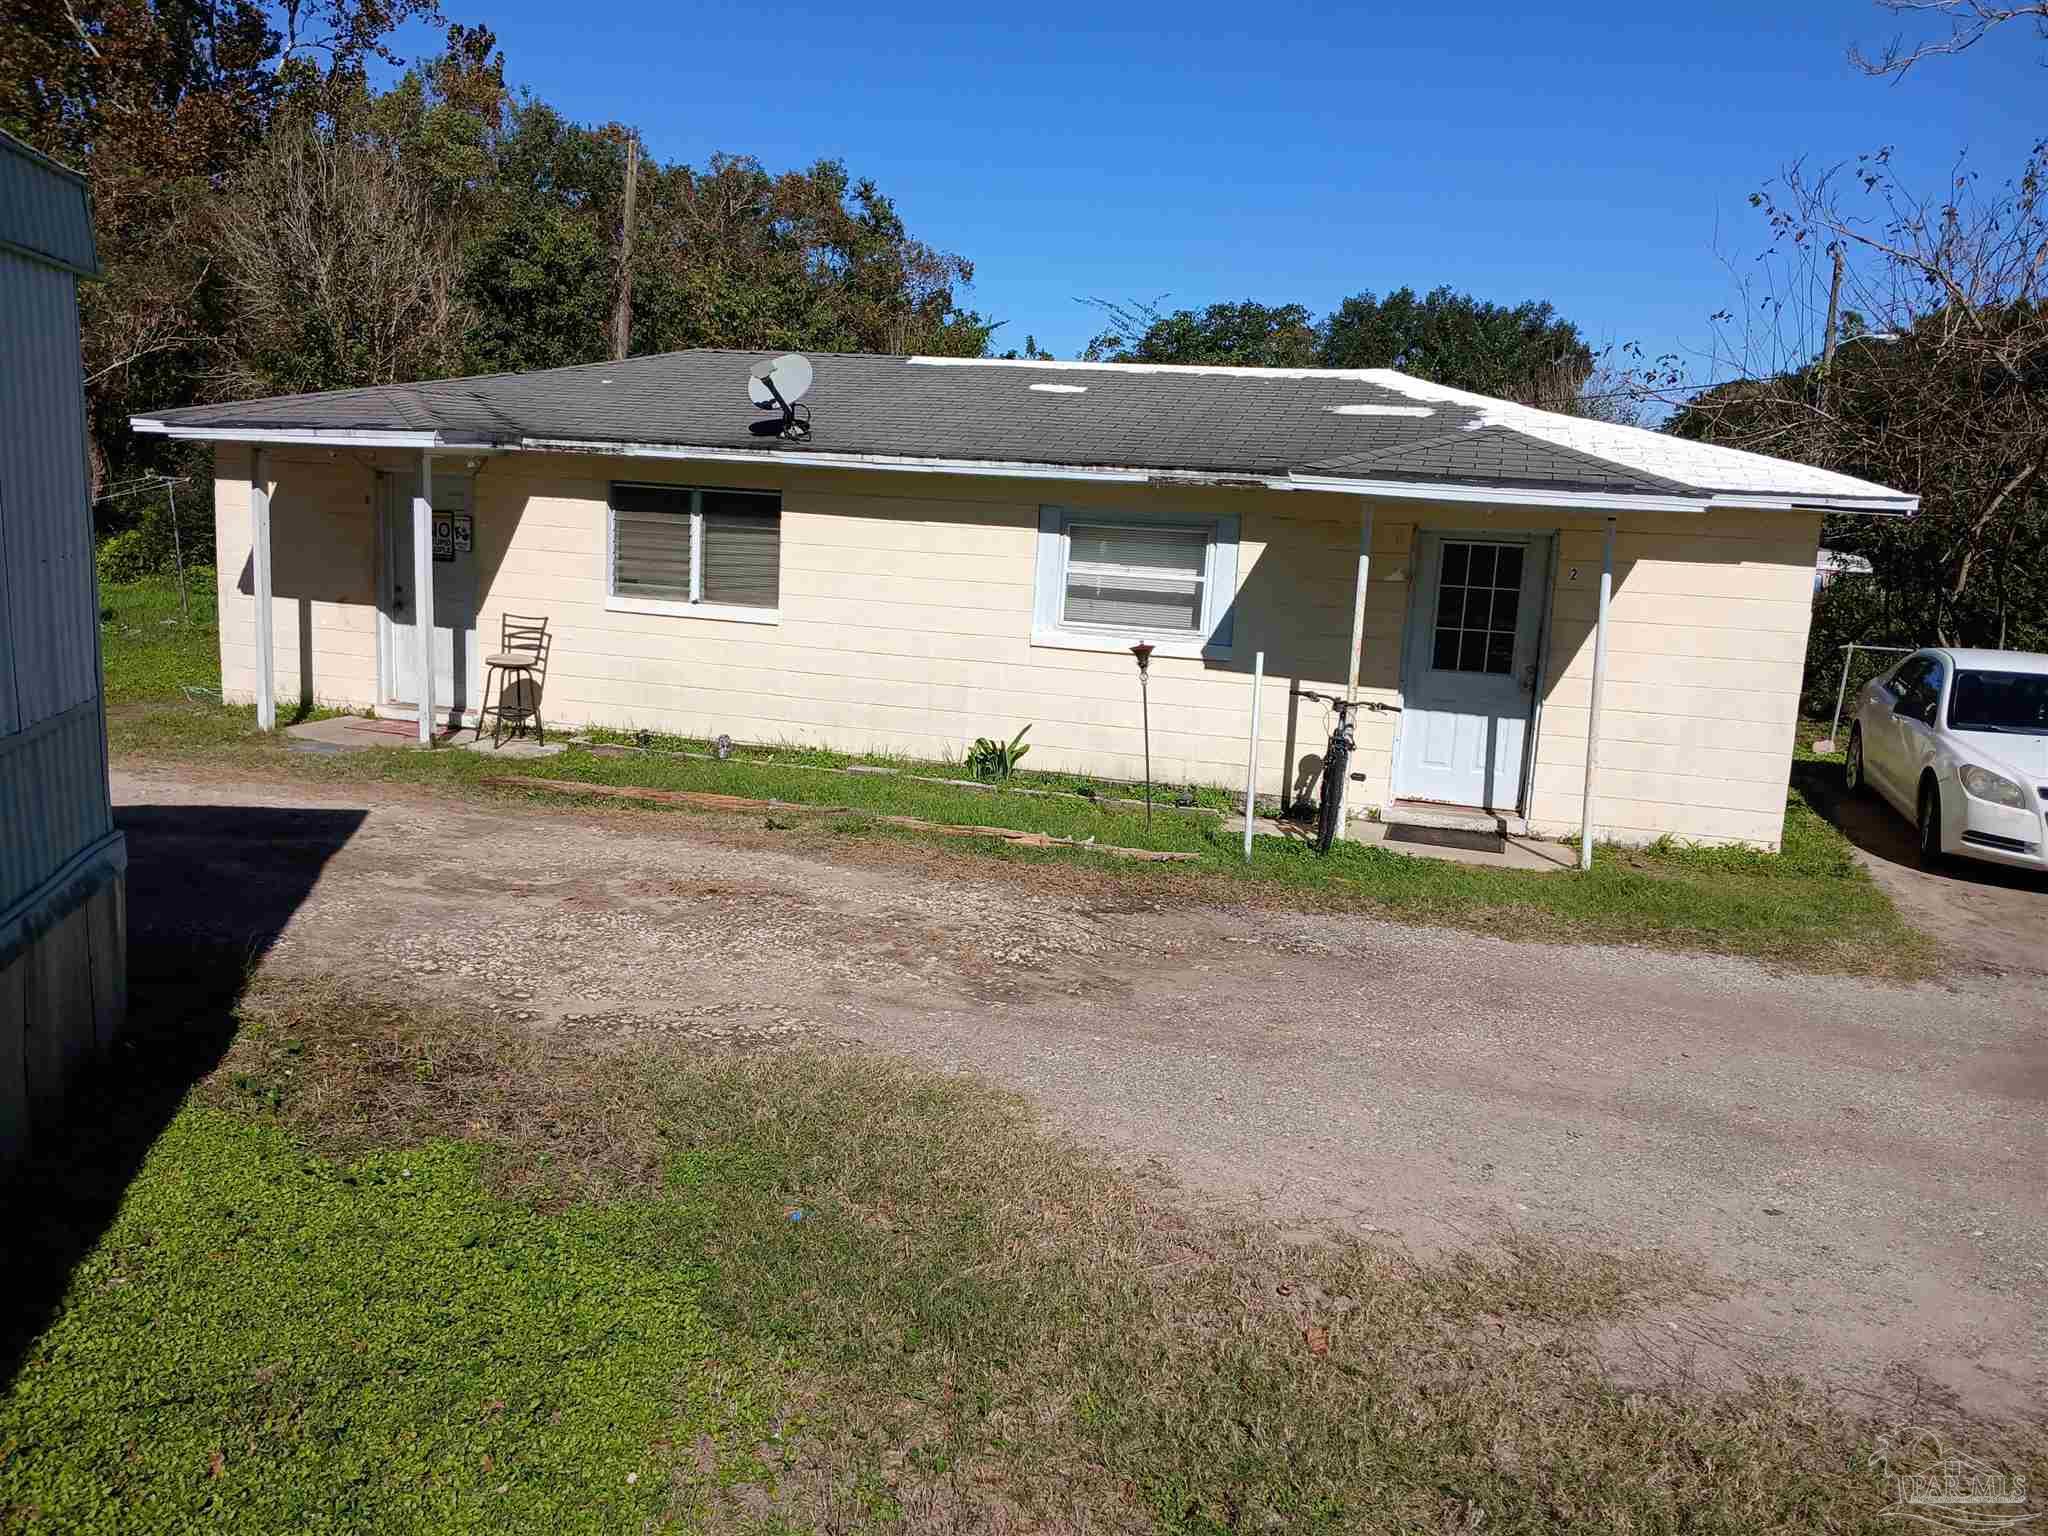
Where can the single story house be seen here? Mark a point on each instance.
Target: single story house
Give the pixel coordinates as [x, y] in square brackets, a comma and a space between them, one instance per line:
[960, 547]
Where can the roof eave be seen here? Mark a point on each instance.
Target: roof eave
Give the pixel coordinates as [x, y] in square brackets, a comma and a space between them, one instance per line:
[1409, 490]
[314, 437]
[1866, 506]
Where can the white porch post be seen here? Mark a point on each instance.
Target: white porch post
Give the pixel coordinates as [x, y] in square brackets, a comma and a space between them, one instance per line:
[423, 590]
[1363, 580]
[1586, 814]
[260, 585]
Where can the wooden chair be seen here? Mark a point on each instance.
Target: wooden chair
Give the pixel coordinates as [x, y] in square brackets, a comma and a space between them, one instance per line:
[519, 663]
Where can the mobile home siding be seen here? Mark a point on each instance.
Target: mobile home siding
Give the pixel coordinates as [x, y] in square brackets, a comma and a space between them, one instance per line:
[906, 625]
[62, 915]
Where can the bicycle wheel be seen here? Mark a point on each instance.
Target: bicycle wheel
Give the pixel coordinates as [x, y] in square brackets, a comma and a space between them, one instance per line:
[1335, 765]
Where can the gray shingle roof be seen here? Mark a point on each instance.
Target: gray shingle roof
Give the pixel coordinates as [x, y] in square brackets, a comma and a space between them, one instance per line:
[1365, 425]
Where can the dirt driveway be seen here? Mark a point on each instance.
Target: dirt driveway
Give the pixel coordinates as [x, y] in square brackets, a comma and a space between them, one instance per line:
[1990, 916]
[1862, 1162]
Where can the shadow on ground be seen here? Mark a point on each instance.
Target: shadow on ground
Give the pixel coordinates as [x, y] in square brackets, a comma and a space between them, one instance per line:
[209, 890]
[1872, 825]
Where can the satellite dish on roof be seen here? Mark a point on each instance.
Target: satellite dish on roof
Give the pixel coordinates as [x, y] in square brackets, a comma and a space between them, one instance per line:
[779, 382]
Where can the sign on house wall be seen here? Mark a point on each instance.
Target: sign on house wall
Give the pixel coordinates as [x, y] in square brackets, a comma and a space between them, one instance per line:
[454, 534]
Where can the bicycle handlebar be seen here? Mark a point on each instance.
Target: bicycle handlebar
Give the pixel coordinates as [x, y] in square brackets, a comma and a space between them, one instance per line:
[1331, 698]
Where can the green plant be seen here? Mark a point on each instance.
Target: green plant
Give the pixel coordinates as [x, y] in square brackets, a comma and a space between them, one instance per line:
[995, 760]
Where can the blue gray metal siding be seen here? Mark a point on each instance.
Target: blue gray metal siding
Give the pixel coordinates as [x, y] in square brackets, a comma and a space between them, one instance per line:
[45, 516]
[43, 209]
[53, 799]
[53, 784]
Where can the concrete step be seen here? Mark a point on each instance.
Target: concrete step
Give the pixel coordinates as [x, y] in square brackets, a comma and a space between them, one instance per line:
[1453, 826]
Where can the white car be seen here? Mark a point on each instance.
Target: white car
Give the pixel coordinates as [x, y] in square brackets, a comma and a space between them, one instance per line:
[1957, 741]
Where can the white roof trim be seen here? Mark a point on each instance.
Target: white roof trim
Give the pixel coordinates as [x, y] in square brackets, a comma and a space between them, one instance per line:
[1220, 370]
[1713, 470]
[1708, 466]
[1409, 490]
[309, 437]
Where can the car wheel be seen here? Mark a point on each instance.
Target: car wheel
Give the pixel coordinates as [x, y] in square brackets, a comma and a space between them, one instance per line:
[1853, 778]
[1929, 823]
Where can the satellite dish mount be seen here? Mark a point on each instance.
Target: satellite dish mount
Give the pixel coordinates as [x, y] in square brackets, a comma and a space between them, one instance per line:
[777, 385]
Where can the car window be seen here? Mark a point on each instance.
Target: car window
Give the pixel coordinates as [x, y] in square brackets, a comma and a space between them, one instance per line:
[1919, 688]
[1999, 701]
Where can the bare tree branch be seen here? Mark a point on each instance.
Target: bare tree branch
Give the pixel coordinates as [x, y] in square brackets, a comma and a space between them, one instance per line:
[1969, 21]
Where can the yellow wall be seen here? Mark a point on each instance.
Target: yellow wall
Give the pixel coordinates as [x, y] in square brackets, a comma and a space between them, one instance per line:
[906, 626]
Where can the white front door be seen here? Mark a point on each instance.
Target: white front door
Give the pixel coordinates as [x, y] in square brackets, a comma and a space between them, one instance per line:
[456, 653]
[1469, 678]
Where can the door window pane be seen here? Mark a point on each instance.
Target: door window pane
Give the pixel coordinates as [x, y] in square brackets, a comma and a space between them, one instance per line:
[1479, 603]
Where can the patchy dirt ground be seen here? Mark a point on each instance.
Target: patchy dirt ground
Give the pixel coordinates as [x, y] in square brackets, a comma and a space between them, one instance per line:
[1863, 1162]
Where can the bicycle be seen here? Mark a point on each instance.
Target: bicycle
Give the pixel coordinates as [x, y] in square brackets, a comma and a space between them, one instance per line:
[1336, 764]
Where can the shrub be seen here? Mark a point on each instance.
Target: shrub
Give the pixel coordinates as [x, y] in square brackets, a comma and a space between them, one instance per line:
[147, 548]
[995, 759]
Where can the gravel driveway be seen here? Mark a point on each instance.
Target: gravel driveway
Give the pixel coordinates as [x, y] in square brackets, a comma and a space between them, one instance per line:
[1862, 1162]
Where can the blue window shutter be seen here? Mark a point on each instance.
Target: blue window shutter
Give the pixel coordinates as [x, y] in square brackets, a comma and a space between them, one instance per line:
[1052, 564]
[1223, 584]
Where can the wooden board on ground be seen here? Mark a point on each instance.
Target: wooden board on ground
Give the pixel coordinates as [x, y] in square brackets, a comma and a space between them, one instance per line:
[706, 800]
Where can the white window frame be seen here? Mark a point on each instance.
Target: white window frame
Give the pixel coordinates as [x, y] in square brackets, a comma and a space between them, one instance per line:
[696, 607]
[1049, 626]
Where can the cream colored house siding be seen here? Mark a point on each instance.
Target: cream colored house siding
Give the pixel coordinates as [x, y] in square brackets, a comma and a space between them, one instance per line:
[906, 616]
[323, 556]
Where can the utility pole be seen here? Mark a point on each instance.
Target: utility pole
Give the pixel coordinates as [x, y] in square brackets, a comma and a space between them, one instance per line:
[1833, 333]
[622, 311]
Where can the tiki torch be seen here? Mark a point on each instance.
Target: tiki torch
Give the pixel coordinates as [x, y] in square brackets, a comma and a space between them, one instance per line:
[1143, 651]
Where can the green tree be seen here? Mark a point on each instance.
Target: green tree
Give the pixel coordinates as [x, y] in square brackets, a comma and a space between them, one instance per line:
[1246, 334]
[1525, 352]
[1939, 386]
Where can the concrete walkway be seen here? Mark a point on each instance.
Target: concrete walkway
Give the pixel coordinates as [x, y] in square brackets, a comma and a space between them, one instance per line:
[353, 733]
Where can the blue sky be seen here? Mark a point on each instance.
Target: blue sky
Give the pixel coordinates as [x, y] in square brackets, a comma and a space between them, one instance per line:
[1595, 156]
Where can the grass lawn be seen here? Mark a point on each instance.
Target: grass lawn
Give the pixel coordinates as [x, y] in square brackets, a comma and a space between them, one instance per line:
[405, 1272]
[1810, 906]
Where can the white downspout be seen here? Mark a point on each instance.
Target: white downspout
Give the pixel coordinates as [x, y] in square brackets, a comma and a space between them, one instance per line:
[1358, 591]
[260, 584]
[423, 590]
[1586, 814]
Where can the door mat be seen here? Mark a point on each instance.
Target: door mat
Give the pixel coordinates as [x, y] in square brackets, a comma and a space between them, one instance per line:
[1447, 837]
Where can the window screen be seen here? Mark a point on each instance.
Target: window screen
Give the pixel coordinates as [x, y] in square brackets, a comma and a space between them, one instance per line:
[1479, 603]
[742, 549]
[653, 542]
[697, 546]
[1136, 576]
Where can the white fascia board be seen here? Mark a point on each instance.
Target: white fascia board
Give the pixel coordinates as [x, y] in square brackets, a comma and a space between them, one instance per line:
[1904, 506]
[311, 437]
[1513, 496]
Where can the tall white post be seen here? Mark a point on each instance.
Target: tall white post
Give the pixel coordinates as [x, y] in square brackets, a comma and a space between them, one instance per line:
[1251, 767]
[423, 590]
[260, 587]
[1586, 814]
[1358, 592]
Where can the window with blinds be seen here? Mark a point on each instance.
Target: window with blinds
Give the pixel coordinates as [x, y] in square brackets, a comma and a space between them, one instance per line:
[1136, 576]
[677, 544]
